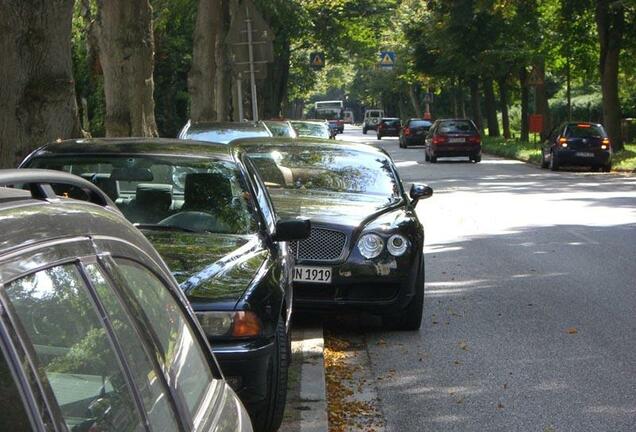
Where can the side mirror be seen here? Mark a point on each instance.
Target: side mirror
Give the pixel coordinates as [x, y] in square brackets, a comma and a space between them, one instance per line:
[292, 229]
[420, 191]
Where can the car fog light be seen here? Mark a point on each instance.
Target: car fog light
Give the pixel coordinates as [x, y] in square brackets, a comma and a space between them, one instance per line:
[370, 245]
[397, 245]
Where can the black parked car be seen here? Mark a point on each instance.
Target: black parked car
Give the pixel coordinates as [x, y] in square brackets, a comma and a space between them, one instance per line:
[210, 218]
[365, 251]
[223, 132]
[389, 126]
[414, 132]
[580, 143]
[94, 331]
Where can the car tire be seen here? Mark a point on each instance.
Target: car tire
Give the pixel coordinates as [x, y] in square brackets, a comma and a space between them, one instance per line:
[426, 156]
[379, 137]
[544, 163]
[433, 159]
[270, 417]
[364, 131]
[554, 163]
[607, 168]
[476, 158]
[410, 319]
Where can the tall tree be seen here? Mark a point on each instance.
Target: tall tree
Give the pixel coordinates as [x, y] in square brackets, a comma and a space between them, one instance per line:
[610, 21]
[208, 78]
[490, 106]
[123, 30]
[37, 91]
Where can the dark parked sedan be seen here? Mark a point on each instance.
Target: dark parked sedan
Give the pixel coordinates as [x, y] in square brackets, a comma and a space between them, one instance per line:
[211, 220]
[95, 334]
[414, 132]
[453, 138]
[365, 251]
[223, 132]
[579, 143]
[389, 126]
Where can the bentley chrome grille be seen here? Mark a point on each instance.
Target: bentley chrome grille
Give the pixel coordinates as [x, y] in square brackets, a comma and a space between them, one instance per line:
[322, 245]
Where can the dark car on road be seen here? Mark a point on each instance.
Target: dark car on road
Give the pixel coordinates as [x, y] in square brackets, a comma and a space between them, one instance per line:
[389, 126]
[453, 138]
[365, 251]
[414, 132]
[210, 218]
[95, 334]
[577, 143]
[223, 132]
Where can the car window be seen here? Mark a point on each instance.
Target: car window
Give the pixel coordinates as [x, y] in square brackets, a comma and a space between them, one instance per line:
[456, 126]
[419, 123]
[323, 169]
[155, 396]
[73, 350]
[193, 194]
[181, 357]
[224, 135]
[584, 130]
[16, 418]
[392, 123]
[311, 129]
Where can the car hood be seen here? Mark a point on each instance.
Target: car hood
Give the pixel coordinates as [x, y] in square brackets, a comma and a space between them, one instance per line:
[210, 267]
[350, 209]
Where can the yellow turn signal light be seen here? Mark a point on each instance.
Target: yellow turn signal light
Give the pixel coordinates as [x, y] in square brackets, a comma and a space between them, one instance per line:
[246, 324]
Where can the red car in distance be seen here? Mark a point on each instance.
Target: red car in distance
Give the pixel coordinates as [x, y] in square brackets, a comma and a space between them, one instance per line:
[453, 138]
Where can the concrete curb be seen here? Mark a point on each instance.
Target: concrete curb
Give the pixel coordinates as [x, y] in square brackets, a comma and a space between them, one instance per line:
[306, 409]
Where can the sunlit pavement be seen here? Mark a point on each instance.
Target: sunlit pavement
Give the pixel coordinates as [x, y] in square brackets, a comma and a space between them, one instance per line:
[530, 311]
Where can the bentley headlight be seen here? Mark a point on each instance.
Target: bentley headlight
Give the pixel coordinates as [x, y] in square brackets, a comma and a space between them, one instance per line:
[370, 245]
[397, 245]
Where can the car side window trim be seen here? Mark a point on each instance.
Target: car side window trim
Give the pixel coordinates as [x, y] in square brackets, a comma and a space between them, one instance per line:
[32, 408]
[145, 333]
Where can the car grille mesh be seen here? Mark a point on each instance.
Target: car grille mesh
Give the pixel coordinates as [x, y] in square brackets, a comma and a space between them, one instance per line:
[322, 245]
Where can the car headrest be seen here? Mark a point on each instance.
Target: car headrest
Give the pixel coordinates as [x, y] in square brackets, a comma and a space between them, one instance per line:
[207, 191]
[104, 181]
[154, 195]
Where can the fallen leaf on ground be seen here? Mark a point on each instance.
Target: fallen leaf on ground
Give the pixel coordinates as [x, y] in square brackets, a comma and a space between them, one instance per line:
[571, 330]
[500, 406]
[463, 345]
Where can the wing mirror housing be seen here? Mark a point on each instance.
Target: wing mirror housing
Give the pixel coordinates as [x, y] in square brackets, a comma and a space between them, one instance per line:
[292, 229]
[420, 191]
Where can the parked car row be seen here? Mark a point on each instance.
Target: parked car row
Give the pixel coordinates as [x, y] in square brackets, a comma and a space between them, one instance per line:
[250, 229]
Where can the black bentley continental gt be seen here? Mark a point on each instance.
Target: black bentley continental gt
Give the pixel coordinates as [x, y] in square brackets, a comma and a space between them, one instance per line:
[211, 220]
[365, 251]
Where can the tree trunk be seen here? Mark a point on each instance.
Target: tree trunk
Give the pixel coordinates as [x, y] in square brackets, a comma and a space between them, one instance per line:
[503, 102]
[541, 98]
[610, 20]
[475, 104]
[123, 29]
[415, 100]
[275, 87]
[37, 92]
[491, 109]
[207, 61]
[525, 101]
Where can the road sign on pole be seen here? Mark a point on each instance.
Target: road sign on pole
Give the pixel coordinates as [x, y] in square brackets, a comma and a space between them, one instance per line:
[428, 98]
[317, 60]
[251, 45]
[387, 59]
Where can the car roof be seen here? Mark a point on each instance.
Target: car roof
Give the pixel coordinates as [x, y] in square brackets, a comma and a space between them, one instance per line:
[26, 221]
[390, 118]
[250, 144]
[123, 146]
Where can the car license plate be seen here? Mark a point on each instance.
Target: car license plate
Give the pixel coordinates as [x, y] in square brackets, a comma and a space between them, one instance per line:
[584, 154]
[312, 274]
[456, 140]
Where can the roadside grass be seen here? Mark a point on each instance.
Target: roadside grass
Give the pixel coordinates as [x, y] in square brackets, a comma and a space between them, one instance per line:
[624, 160]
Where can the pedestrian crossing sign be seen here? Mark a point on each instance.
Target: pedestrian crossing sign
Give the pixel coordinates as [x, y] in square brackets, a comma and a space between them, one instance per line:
[387, 59]
[317, 60]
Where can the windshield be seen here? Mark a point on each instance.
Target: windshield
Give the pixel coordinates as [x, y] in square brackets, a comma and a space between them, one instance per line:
[584, 131]
[167, 192]
[420, 123]
[391, 122]
[324, 169]
[318, 130]
[281, 129]
[224, 135]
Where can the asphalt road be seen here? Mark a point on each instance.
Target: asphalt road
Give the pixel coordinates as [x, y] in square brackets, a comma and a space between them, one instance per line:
[530, 310]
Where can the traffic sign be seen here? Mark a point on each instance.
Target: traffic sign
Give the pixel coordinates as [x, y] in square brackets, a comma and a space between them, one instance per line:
[317, 60]
[428, 98]
[535, 79]
[387, 59]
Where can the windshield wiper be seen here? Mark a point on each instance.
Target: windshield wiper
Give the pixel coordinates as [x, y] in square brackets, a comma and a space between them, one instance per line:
[157, 227]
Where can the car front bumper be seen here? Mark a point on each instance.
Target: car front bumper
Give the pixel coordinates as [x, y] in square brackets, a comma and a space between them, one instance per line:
[384, 286]
[246, 367]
